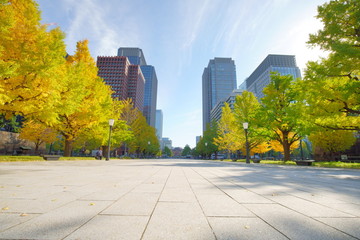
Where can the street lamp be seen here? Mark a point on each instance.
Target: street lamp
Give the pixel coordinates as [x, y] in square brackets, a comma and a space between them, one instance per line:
[111, 124]
[246, 126]
[205, 149]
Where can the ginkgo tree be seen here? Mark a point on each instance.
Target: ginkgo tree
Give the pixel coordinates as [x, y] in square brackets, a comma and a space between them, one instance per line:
[332, 141]
[332, 85]
[85, 98]
[228, 136]
[246, 109]
[31, 61]
[37, 133]
[281, 114]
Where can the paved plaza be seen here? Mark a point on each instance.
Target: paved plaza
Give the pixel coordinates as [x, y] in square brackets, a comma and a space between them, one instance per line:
[176, 199]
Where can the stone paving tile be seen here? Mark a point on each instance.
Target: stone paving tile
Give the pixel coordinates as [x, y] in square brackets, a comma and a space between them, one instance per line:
[110, 227]
[308, 208]
[246, 196]
[34, 205]
[178, 221]
[56, 224]
[176, 199]
[177, 195]
[149, 188]
[348, 225]
[222, 205]
[295, 225]
[243, 228]
[350, 208]
[8, 220]
[134, 204]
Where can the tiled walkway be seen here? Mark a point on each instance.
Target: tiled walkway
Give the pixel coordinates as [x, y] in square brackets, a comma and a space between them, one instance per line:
[176, 199]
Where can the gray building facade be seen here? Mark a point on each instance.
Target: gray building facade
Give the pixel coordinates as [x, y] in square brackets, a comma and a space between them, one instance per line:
[159, 123]
[216, 112]
[260, 78]
[218, 81]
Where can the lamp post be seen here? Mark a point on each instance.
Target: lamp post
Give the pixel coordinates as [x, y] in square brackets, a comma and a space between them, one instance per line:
[206, 149]
[246, 126]
[301, 150]
[111, 124]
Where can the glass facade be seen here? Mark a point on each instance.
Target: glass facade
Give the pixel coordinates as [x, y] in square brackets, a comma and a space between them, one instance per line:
[260, 78]
[218, 80]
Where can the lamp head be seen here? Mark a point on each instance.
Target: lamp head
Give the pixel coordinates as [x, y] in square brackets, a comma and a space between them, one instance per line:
[246, 125]
[111, 122]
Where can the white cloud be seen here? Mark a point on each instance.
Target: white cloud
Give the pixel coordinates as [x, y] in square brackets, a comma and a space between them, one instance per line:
[90, 19]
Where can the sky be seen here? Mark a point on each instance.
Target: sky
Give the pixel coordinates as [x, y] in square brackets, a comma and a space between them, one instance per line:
[179, 37]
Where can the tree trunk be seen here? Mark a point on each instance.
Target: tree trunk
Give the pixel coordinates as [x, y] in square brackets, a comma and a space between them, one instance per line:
[68, 148]
[105, 150]
[286, 147]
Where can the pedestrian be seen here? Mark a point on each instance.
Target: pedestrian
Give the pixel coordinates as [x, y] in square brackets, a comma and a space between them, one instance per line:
[99, 154]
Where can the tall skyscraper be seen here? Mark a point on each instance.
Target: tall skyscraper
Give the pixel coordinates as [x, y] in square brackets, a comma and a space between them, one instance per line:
[260, 78]
[218, 81]
[136, 57]
[136, 86]
[150, 94]
[125, 79]
[159, 124]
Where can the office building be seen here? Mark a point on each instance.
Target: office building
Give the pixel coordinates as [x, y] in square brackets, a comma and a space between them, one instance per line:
[159, 123]
[260, 78]
[216, 112]
[136, 57]
[218, 81]
[166, 142]
[114, 71]
[136, 86]
[150, 94]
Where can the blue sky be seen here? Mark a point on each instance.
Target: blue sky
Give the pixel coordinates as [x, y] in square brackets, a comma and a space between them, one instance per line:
[179, 37]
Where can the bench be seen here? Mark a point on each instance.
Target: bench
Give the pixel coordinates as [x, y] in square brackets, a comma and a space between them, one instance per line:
[304, 162]
[51, 157]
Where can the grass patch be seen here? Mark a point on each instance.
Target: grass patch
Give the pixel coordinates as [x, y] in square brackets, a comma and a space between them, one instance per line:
[277, 162]
[5, 158]
[337, 165]
[20, 158]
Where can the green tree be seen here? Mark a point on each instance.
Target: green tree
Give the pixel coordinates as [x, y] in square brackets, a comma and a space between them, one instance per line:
[186, 151]
[246, 109]
[281, 113]
[144, 141]
[167, 152]
[206, 146]
[332, 86]
[332, 141]
[31, 61]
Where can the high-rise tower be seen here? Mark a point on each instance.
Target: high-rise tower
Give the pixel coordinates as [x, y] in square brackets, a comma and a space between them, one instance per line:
[218, 81]
[136, 57]
[260, 78]
[126, 80]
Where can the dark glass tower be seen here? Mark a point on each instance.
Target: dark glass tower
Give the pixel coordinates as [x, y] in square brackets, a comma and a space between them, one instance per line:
[218, 81]
[260, 78]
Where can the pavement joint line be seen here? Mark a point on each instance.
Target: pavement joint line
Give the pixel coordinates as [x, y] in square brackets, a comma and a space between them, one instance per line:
[114, 201]
[198, 202]
[277, 203]
[257, 216]
[157, 201]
